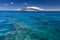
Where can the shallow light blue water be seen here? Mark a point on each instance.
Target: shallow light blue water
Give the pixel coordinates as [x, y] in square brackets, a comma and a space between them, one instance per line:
[48, 22]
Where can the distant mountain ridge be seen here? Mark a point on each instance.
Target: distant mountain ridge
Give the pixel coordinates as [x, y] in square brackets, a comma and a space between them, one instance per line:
[32, 9]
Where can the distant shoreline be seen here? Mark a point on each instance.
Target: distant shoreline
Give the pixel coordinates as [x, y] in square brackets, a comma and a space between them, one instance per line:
[29, 11]
[32, 11]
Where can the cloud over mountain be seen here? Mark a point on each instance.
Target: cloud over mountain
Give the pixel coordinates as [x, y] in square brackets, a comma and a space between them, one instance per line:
[32, 9]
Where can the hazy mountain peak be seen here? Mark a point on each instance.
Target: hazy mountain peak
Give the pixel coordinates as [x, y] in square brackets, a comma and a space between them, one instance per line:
[32, 9]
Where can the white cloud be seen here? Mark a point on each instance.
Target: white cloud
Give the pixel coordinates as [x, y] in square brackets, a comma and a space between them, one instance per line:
[12, 3]
[5, 4]
[36, 8]
[25, 3]
[18, 9]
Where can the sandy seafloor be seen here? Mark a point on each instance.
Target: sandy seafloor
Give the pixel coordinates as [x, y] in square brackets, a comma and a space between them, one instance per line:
[16, 25]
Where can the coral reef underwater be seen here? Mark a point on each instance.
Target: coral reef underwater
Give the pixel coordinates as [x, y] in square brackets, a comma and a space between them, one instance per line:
[42, 30]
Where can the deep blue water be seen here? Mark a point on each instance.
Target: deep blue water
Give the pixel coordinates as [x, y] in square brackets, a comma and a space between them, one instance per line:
[46, 23]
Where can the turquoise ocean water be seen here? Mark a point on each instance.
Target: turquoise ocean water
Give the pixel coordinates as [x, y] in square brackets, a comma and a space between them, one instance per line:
[16, 25]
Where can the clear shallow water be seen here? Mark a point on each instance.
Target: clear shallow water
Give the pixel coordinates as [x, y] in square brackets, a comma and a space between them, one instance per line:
[31, 25]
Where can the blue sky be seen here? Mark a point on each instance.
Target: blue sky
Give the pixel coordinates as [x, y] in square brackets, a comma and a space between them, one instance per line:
[18, 4]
